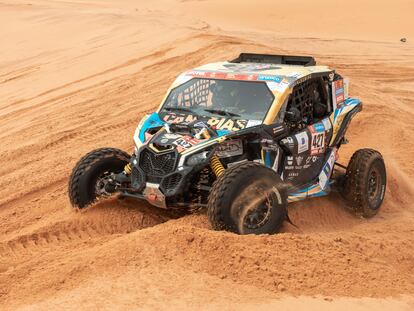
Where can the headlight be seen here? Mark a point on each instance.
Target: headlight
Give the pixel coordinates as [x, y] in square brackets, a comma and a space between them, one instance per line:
[198, 158]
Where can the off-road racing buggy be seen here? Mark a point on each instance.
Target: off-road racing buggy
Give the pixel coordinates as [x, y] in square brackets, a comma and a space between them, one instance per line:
[242, 138]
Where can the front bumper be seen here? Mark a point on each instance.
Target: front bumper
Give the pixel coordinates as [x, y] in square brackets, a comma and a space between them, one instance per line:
[156, 176]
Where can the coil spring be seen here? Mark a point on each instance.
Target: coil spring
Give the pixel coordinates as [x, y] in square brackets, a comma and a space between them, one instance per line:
[128, 169]
[216, 165]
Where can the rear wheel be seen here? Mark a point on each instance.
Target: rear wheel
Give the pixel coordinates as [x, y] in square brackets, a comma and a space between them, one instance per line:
[90, 177]
[248, 199]
[365, 182]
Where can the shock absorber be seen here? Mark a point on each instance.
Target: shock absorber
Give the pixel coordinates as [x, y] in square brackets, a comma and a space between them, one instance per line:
[216, 165]
[128, 169]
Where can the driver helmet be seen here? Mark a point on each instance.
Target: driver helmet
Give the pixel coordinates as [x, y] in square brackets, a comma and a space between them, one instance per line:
[224, 94]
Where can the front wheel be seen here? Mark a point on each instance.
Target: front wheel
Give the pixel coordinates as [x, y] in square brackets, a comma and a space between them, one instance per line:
[89, 178]
[248, 199]
[365, 182]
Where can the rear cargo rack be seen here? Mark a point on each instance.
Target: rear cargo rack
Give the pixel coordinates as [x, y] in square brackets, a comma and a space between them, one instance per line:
[275, 59]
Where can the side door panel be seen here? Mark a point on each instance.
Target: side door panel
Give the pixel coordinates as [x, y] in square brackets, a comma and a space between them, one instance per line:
[306, 152]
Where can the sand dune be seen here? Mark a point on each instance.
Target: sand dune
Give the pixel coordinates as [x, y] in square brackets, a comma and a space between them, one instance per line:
[77, 75]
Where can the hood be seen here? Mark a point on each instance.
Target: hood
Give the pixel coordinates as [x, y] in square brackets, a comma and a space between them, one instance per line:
[163, 132]
[183, 136]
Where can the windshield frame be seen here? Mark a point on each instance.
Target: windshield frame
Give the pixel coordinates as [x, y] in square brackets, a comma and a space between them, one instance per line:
[206, 114]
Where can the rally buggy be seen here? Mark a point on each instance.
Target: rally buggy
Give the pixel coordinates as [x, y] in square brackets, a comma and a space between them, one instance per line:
[242, 138]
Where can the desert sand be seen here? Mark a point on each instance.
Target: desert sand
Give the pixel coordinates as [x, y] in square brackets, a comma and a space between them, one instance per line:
[77, 75]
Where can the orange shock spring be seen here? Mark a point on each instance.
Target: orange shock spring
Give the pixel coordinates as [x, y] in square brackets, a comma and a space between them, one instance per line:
[216, 165]
[128, 169]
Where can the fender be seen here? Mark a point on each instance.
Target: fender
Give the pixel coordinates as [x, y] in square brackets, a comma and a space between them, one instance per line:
[340, 133]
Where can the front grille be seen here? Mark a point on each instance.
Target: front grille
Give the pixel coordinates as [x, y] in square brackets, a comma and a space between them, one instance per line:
[137, 180]
[170, 182]
[157, 164]
[154, 179]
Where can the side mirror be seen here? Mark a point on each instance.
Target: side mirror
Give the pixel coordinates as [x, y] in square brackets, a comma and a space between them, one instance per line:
[293, 115]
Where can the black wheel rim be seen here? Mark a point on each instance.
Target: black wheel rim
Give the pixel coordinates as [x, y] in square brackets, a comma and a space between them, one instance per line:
[259, 215]
[374, 186]
[101, 184]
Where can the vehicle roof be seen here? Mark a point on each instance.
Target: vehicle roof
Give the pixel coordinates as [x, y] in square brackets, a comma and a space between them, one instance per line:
[256, 71]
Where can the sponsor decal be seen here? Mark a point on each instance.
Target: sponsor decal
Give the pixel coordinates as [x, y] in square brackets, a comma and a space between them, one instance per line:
[309, 160]
[279, 81]
[269, 144]
[327, 124]
[346, 88]
[231, 76]
[299, 160]
[294, 75]
[191, 140]
[289, 160]
[249, 67]
[326, 171]
[196, 73]
[301, 80]
[276, 79]
[171, 136]
[219, 123]
[176, 118]
[222, 75]
[252, 123]
[227, 124]
[317, 127]
[276, 130]
[338, 93]
[303, 142]
[183, 143]
[275, 83]
[200, 124]
[294, 163]
[280, 87]
[272, 85]
[230, 148]
[288, 141]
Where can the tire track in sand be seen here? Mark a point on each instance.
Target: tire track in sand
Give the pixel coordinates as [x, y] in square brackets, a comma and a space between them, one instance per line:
[105, 218]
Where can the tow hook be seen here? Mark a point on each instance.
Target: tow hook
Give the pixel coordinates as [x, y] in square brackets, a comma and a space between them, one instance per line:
[152, 197]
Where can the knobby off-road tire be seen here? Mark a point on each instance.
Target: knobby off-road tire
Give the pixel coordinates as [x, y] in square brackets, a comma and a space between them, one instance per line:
[93, 166]
[365, 182]
[248, 199]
